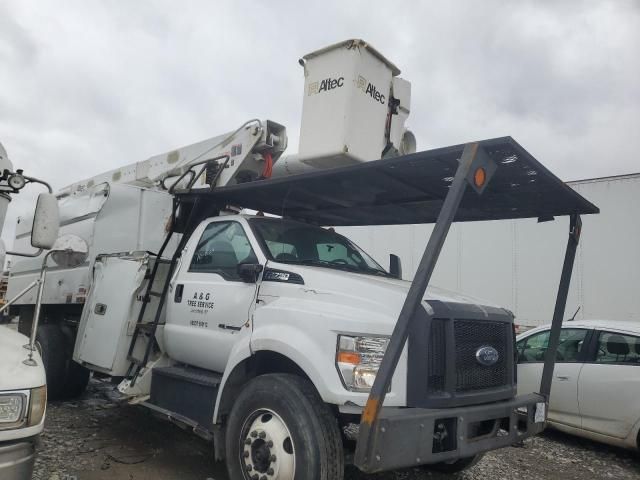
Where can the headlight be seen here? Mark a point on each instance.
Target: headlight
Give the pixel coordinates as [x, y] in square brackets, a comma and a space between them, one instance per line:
[358, 360]
[11, 409]
[37, 405]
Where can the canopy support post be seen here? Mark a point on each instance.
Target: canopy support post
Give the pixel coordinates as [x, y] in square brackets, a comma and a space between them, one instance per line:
[575, 228]
[475, 168]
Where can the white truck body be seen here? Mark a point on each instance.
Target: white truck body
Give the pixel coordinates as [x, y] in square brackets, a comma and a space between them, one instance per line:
[300, 322]
[111, 217]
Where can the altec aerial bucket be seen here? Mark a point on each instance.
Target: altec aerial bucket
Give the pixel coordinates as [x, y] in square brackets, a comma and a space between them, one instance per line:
[354, 108]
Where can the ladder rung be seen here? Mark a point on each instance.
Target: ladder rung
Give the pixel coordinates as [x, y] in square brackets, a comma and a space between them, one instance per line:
[146, 325]
[135, 361]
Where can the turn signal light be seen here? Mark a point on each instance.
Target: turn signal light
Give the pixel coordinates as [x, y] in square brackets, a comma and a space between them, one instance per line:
[349, 357]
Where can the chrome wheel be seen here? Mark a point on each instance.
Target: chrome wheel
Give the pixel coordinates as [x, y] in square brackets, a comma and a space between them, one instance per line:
[267, 451]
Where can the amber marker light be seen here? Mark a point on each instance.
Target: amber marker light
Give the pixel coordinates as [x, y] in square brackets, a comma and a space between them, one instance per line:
[349, 357]
[479, 177]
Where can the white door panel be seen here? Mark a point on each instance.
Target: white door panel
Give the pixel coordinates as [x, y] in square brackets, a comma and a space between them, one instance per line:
[609, 397]
[210, 307]
[609, 390]
[563, 404]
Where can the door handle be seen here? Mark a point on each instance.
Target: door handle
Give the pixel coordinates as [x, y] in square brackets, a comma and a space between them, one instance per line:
[178, 296]
[562, 378]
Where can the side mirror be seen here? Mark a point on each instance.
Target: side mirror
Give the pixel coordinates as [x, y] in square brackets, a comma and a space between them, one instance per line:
[249, 272]
[69, 251]
[395, 266]
[46, 222]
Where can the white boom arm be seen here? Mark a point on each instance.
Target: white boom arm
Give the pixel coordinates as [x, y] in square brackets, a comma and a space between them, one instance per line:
[243, 155]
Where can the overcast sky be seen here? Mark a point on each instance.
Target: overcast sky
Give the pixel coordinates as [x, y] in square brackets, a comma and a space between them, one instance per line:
[86, 86]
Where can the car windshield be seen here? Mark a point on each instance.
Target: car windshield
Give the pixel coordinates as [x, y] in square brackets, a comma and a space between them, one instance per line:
[297, 243]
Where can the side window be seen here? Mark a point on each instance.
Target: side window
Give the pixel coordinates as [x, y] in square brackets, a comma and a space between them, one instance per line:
[329, 252]
[534, 348]
[338, 253]
[618, 348]
[571, 344]
[222, 246]
[569, 347]
[282, 251]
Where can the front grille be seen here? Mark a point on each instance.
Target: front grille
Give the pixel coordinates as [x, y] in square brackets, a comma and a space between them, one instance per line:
[443, 370]
[437, 353]
[470, 336]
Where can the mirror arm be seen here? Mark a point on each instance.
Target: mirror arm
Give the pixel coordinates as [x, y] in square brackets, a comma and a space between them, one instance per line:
[23, 254]
[41, 182]
[20, 295]
[31, 346]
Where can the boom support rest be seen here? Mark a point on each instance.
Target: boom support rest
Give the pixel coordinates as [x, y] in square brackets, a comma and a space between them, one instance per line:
[476, 168]
[575, 229]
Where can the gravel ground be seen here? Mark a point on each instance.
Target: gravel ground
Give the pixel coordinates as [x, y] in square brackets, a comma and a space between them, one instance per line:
[96, 439]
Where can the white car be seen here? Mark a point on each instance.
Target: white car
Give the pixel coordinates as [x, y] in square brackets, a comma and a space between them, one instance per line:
[596, 382]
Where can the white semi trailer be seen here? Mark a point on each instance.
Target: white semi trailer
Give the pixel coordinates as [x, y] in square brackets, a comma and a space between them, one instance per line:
[278, 338]
[515, 273]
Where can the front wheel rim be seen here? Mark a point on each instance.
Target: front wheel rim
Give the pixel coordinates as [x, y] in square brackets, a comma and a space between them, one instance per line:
[266, 447]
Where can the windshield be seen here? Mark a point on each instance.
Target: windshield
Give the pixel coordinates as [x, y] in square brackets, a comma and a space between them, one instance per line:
[292, 242]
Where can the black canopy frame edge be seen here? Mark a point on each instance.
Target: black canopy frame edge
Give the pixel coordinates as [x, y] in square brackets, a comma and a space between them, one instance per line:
[247, 195]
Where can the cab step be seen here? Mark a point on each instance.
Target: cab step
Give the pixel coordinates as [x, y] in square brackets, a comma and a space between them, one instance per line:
[187, 391]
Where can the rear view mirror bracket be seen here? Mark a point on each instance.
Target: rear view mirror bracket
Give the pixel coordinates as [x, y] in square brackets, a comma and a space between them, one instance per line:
[249, 272]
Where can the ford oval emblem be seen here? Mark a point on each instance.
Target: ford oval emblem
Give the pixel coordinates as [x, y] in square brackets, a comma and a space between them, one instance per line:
[487, 356]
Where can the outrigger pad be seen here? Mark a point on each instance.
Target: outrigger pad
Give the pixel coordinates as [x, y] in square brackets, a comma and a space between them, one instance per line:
[410, 189]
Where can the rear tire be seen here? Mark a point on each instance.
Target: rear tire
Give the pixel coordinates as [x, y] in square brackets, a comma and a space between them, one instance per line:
[51, 344]
[76, 380]
[280, 428]
[457, 465]
[65, 378]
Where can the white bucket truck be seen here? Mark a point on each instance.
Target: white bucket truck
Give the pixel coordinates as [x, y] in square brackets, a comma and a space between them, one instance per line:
[271, 334]
[23, 390]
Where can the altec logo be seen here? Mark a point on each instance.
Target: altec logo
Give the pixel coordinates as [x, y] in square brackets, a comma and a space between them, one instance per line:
[333, 83]
[325, 85]
[370, 89]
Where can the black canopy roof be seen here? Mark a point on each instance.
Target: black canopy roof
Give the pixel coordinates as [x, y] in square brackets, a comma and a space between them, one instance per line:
[408, 189]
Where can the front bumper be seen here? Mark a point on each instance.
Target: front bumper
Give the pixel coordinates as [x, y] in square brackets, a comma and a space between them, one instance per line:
[17, 459]
[405, 437]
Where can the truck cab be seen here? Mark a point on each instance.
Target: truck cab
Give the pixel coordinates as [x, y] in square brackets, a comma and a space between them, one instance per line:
[249, 285]
[23, 398]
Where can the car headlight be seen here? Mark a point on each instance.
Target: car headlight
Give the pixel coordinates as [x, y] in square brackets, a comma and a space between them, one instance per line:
[22, 408]
[358, 360]
[37, 405]
[11, 409]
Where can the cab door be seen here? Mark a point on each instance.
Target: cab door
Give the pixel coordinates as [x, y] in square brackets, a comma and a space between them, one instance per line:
[210, 306]
[563, 403]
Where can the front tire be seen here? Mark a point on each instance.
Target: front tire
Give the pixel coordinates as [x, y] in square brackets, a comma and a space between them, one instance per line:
[280, 429]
